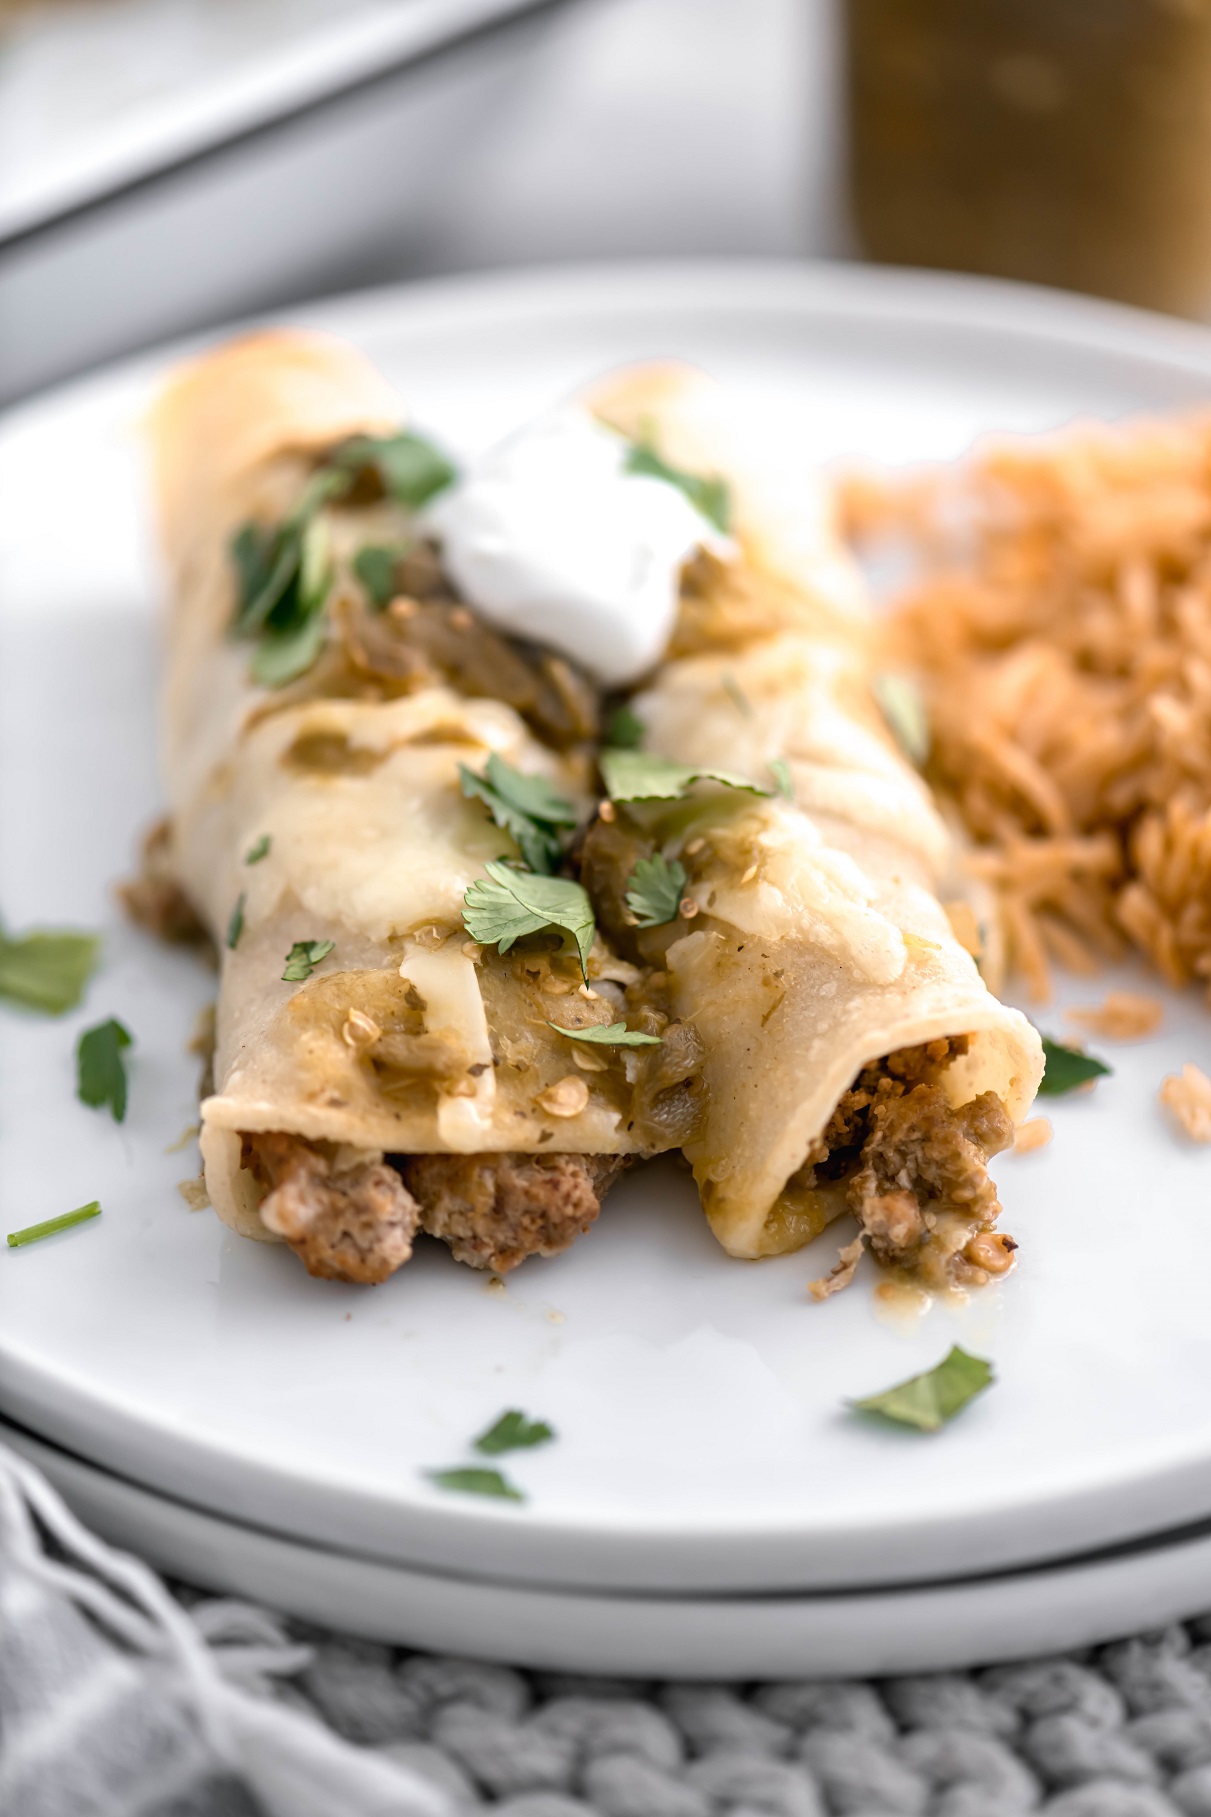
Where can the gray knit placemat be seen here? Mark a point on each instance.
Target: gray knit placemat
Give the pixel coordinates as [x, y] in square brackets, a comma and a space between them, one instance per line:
[1120, 1731]
[123, 1696]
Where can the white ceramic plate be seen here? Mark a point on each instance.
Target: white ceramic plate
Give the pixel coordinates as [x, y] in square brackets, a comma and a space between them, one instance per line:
[923, 1628]
[702, 1440]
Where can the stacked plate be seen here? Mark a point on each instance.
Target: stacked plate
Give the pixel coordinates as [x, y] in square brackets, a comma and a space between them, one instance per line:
[709, 1504]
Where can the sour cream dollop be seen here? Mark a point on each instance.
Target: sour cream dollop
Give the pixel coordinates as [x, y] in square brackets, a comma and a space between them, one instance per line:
[550, 538]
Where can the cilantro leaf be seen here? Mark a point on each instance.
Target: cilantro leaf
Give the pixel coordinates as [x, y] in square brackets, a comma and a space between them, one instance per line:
[47, 970]
[780, 770]
[530, 795]
[297, 630]
[269, 561]
[100, 1068]
[506, 905]
[638, 776]
[614, 1034]
[375, 567]
[653, 892]
[526, 807]
[710, 497]
[411, 469]
[260, 850]
[235, 927]
[476, 1480]
[902, 706]
[303, 958]
[624, 729]
[927, 1401]
[33, 1233]
[513, 1432]
[1065, 1068]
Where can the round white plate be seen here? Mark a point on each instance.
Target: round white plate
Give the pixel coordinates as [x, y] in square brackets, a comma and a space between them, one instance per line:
[922, 1628]
[703, 1443]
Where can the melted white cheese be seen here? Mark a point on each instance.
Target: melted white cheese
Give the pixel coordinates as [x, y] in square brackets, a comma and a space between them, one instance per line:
[550, 538]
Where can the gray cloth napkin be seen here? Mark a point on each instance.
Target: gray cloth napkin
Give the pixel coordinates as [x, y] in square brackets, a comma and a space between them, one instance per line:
[117, 1702]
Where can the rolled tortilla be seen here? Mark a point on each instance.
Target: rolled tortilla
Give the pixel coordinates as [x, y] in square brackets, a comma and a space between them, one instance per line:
[817, 943]
[330, 810]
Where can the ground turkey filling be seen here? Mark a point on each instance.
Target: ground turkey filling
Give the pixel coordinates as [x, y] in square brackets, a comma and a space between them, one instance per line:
[349, 1219]
[915, 1168]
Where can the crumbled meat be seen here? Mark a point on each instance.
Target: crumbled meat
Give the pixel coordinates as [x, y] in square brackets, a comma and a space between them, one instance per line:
[344, 1222]
[842, 1272]
[494, 1210]
[154, 899]
[920, 1153]
[906, 1154]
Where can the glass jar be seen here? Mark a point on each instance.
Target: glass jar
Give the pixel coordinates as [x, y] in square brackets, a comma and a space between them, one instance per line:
[1063, 141]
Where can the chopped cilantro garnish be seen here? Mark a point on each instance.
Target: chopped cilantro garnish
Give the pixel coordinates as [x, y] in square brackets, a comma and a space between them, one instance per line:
[780, 770]
[1067, 1067]
[47, 970]
[613, 1034]
[927, 1401]
[903, 708]
[624, 729]
[303, 958]
[653, 892]
[297, 629]
[525, 807]
[33, 1233]
[506, 905]
[260, 850]
[375, 566]
[475, 1479]
[410, 468]
[709, 497]
[268, 561]
[235, 926]
[513, 1432]
[638, 776]
[100, 1068]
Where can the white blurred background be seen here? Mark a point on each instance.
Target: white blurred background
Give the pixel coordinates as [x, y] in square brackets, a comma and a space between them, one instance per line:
[165, 164]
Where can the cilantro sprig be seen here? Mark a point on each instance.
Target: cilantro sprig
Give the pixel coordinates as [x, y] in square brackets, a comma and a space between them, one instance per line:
[303, 958]
[525, 807]
[375, 565]
[624, 728]
[513, 1431]
[927, 1401]
[709, 496]
[100, 1068]
[284, 572]
[509, 903]
[611, 1034]
[410, 468]
[653, 891]
[1066, 1068]
[48, 969]
[476, 1479]
[639, 776]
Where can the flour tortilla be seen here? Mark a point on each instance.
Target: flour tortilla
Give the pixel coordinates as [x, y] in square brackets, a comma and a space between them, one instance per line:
[372, 850]
[821, 943]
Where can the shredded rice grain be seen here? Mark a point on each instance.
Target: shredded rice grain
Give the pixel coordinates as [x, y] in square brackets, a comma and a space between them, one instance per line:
[1188, 1095]
[1060, 622]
